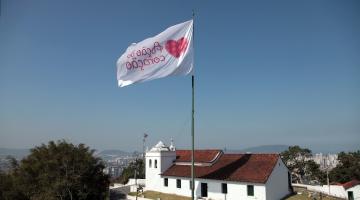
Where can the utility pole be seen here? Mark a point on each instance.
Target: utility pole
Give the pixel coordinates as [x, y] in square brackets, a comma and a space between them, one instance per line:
[136, 185]
[327, 172]
[326, 166]
[144, 140]
[144, 163]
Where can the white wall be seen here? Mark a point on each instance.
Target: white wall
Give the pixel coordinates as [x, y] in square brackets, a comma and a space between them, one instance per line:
[335, 190]
[235, 190]
[277, 185]
[152, 175]
[214, 189]
[356, 191]
[116, 185]
[132, 181]
[172, 189]
[239, 191]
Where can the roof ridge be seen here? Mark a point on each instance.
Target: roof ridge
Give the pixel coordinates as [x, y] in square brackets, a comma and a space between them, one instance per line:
[199, 149]
[277, 154]
[255, 168]
[230, 168]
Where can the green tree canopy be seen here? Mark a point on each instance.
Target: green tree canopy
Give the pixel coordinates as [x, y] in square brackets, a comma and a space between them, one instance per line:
[60, 170]
[348, 167]
[302, 167]
[8, 188]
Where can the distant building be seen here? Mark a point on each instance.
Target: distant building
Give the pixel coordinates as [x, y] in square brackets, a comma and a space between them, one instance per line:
[326, 161]
[115, 163]
[218, 175]
[113, 171]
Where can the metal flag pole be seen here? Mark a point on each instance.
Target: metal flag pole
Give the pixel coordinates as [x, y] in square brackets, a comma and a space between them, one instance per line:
[192, 122]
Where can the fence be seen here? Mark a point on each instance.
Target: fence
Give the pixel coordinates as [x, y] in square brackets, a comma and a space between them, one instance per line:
[334, 190]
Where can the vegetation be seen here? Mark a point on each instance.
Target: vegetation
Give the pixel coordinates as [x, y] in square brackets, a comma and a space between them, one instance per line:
[56, 171]
[303, 169]
[8, 188]
[129, 172]
[347, 169]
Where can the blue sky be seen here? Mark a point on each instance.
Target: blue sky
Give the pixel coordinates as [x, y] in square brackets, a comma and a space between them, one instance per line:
[267, 72]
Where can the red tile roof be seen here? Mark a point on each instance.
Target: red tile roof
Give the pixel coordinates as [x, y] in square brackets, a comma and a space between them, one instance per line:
[350, 184]
[255, 168]
[200, 155]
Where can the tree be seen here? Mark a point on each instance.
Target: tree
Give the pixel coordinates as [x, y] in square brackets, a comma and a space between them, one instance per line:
[12, 162]
[129, 172]
[348, 167]
[8, 188]
[302, 167]
[60, 171]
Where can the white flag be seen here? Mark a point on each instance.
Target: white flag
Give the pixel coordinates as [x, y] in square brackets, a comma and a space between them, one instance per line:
[166, 54]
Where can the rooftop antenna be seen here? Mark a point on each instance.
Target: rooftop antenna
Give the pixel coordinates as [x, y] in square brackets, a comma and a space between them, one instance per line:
[172, 146]
[144, 140]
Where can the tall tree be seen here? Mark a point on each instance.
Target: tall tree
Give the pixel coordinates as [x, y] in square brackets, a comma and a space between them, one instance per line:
[60, 170]
[8, 188]
[302, 167]
[348, 167]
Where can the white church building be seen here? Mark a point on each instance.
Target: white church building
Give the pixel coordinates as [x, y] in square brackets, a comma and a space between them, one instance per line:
[218, 175]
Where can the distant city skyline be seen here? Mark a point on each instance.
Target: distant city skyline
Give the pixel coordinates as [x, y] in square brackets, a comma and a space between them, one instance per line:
[267, 73]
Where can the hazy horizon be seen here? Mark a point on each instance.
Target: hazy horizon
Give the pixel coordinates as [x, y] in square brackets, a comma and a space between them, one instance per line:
[314, 150]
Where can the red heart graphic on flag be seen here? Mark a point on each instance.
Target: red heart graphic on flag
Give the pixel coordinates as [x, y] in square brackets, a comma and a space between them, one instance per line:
[176, 48]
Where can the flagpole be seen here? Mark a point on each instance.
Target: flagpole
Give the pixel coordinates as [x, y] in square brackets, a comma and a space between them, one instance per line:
[192, 122]
[192, 140]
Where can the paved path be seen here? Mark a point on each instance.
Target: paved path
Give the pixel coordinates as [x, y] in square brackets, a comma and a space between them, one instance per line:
[119, 193]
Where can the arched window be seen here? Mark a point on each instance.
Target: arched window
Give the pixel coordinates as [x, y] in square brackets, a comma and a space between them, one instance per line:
[150, 163]
[155, 164]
